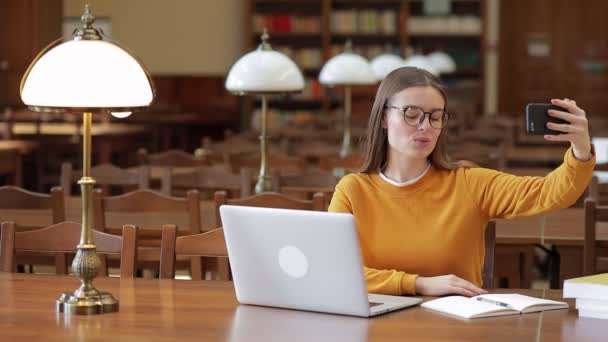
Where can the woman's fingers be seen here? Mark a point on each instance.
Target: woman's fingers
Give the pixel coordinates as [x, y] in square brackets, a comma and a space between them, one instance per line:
[566, 128]
[569, 105]
[461, 291]
[564, 115]
[559, 137]
[468, 286]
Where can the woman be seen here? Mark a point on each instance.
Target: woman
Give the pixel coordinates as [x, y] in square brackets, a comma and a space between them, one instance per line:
[421, 218]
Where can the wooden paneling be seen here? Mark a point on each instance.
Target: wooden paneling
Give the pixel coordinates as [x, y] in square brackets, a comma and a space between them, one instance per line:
[577, 64]
[205, 95]
[26, 27]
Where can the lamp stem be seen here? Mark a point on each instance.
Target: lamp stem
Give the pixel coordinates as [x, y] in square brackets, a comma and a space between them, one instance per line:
[86, 182]
[346, 139]
[263, 184]
[86, 300]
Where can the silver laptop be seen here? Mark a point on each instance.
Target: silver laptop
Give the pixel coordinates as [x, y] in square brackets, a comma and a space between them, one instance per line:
[299, 259]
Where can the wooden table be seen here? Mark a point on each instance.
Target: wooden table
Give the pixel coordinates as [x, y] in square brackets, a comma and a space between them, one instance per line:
[107, 137]
[23, 146]
[563, 228]
[174, 310]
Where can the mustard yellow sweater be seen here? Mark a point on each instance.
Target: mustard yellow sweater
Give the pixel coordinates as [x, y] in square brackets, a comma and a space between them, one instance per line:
[436, 225]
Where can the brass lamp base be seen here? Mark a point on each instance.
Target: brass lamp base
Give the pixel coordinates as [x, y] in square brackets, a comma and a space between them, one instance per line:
[68, 303]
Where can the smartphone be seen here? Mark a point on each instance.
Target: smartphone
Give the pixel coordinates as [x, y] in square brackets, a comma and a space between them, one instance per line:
[537, 117]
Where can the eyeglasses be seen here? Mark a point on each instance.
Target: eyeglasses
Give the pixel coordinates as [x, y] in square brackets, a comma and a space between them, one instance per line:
[414, 116]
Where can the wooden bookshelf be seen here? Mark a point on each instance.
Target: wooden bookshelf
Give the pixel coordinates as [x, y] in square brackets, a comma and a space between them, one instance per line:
[371, 25]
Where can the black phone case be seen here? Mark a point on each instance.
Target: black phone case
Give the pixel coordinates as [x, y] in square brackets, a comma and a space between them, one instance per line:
[537, 117]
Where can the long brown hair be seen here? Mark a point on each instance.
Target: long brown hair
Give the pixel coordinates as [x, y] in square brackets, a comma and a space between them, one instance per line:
[375, 150]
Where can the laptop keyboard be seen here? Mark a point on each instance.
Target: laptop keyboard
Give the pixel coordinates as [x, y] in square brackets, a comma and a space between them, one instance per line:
[372, 304]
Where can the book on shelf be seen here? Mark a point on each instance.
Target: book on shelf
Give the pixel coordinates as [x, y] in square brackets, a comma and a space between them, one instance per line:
[312, 91]
[450, 25]
[282, 23]
[590, 287]
[305, 58]
[364, 21]
[490, 305]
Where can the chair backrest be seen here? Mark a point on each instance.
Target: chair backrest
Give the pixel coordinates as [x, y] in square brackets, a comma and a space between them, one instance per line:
[312, 149]
[593, 214]
[486, 155]
[171, 158]
[276, 161]
[268, 200]
[147, 202]
[231, 145]
[208, 178]
[208, 244]
[352, 162]
[487, 274]
[63, 238]
[305, 185]
[27, 207]
[15, 198]
[598, 187]
[105, 175]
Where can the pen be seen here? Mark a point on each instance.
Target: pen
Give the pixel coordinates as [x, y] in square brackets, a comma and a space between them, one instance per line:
[495, 302]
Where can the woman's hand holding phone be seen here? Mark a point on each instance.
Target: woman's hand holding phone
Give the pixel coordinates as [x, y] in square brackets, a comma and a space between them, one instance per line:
[576, 131]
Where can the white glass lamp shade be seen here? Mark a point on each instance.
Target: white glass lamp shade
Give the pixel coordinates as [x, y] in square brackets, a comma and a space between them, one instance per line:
[86, 76]
[347, 68]
[442, 62]
[121, 115]
[264, 71]
[421, 62]
[382, 65]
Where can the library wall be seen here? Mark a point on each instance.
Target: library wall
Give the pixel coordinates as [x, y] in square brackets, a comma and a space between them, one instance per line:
[185, 37]
[541, 57]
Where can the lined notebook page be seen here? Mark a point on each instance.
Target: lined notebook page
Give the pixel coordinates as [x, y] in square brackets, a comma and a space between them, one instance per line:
[525, 304]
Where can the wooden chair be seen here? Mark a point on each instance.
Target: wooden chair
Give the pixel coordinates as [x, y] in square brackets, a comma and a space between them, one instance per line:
[171, 158]
[593, 249]
[208, 244]
[597, 189]
[64, 237]
[276, 161]
[304, 185]
[208, 178]
[351, 163]
[482, 154]
[487, 273]
[312, 149]
[106, 175]
[145, 206]
[268, 200]
[231, 145]
[20, 205]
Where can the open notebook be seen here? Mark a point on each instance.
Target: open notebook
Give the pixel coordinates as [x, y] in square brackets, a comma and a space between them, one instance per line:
[492, 305]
